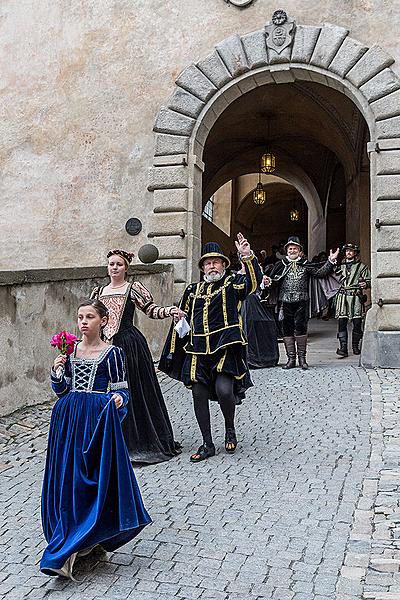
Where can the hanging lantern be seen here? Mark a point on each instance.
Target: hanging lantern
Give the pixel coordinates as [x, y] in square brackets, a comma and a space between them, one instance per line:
[259, 195]
[267, 162]
[294, 214]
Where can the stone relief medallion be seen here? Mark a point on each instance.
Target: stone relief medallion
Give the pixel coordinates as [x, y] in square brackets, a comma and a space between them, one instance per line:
[279, 33]
[279, 17]
[240, 3]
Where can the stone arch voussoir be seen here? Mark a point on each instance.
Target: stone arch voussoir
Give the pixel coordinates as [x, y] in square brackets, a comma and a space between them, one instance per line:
[365, 72]
[325, 54]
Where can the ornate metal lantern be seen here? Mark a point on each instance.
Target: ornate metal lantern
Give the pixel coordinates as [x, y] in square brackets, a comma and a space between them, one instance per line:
[259, 194]
[294, 214]
[267, 162]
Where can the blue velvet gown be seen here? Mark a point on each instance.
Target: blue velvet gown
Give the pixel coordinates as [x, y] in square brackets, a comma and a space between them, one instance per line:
[90, 494]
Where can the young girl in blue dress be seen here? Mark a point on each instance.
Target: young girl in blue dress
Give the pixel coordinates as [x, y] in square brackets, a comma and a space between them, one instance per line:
[90, 495]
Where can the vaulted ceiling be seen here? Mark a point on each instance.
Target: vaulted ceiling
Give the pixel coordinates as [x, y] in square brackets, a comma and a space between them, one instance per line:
[306, 124]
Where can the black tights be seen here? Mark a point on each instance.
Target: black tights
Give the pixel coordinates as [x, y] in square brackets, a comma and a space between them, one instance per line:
[342, 325]
[226, 398]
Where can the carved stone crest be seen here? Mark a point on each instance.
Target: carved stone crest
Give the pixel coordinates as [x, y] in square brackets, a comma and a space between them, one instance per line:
[279, 33]
[240, 3]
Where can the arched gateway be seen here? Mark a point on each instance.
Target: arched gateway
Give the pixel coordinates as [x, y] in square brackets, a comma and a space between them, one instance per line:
[281, 53]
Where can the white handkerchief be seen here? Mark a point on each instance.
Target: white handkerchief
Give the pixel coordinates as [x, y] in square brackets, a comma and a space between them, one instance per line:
[182, 327]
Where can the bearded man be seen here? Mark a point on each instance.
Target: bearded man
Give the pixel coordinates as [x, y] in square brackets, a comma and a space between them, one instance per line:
[292, 275]
[211, 358]
[350, 300]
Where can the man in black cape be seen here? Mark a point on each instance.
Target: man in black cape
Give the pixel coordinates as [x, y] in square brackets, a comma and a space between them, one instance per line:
[211, 358]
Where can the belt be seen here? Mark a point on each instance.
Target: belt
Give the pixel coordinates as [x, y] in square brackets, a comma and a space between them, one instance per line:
[349, 292]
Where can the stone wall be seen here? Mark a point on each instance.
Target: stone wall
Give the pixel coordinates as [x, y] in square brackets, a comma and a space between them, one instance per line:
[80, 97]
[37, 304]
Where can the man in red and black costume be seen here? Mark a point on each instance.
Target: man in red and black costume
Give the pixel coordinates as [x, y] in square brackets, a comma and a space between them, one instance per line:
[211, 358]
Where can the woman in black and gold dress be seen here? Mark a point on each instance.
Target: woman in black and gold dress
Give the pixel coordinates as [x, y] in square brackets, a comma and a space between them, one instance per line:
[147, 428]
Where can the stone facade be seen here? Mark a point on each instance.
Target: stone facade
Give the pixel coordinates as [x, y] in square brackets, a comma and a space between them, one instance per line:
[88, 81]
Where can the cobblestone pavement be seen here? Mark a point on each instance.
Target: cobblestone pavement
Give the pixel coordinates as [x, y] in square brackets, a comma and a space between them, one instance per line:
[307, 509]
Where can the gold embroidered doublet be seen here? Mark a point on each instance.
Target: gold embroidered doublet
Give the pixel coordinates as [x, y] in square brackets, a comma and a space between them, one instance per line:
[213, 310]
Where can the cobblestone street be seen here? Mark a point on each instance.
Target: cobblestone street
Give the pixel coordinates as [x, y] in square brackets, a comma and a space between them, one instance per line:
[307, 509]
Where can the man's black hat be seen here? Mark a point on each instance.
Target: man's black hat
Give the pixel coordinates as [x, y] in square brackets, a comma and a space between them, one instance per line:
[293, 240]
[213, 250]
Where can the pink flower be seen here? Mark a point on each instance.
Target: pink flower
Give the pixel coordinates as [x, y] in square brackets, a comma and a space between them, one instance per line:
[64, 341]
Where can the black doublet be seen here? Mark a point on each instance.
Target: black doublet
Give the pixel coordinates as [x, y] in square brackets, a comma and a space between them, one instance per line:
[213, 312]
[293, 277]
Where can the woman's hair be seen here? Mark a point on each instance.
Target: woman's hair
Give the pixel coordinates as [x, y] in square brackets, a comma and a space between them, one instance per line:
[99, 307]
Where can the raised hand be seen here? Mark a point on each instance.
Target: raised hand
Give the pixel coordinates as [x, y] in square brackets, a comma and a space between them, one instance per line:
[333, 255]
[242, 245]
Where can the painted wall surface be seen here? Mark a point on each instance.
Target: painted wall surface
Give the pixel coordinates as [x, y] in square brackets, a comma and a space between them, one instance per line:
[81, 84]
[32, 313]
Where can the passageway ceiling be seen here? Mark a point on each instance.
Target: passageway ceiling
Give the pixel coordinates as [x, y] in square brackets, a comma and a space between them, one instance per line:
[311, 126]
[281, 197]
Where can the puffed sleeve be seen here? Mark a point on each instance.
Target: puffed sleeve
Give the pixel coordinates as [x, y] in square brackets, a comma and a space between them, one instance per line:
[144, 301]
[366, 275]
[61, 385]
[248, 282]
[117, 375]
[319, 270]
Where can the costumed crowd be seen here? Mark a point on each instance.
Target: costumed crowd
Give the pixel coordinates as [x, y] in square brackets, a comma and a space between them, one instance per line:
[111, 412]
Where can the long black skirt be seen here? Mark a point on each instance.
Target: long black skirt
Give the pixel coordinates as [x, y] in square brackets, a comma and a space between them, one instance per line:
[260, 327]
[147, 429]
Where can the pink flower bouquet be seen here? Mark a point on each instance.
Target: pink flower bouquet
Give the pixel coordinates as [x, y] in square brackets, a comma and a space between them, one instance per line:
[65, 342]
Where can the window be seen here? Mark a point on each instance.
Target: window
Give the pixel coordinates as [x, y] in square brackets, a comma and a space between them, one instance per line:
[208, 212]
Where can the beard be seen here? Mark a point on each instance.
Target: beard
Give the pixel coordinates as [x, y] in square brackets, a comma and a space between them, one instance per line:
[213, 277]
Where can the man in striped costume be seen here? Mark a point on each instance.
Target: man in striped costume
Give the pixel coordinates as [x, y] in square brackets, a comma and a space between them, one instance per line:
[350, 299]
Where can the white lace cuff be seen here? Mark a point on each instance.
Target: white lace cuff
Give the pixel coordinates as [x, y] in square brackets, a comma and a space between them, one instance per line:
[119, 385]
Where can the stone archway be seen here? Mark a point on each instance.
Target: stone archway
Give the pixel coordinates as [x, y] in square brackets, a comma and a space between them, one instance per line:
[324, 54]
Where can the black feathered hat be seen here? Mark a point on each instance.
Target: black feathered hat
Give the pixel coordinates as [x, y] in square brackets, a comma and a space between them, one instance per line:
[350, 246]
[213, 250]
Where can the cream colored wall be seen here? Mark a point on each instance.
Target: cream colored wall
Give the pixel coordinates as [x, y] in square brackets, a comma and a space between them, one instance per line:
[222, 207]
[81, 83]
[34, 311]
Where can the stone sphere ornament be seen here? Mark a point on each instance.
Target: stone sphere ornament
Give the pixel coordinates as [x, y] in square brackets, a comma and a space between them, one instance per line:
[148, 254]
[240, 3]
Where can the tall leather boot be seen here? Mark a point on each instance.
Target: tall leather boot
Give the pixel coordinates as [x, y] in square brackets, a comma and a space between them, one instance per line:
[290, 347]
[301, 341]
[356, 342]
[342, 351]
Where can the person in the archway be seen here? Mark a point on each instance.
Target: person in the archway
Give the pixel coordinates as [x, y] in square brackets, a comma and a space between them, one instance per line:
[259, 325]
[292, 274]
[350, 300]
[211, 358]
